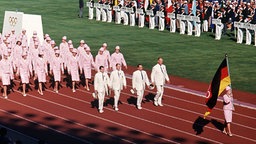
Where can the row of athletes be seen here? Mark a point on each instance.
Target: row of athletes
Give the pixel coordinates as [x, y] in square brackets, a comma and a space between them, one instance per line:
[40, 60]
[117, 81]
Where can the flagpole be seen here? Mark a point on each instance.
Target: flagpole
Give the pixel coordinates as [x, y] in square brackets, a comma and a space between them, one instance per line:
[226, 56]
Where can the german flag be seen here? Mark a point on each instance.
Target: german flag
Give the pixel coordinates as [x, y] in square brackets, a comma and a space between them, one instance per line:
[220, 81]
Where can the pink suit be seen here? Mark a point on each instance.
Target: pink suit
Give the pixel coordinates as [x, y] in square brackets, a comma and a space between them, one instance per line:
[73, 67]
[87, 62]
[117, 58]
[41, 69]
[6, 71]
[101, 60]
[56, 65]
[24, 69]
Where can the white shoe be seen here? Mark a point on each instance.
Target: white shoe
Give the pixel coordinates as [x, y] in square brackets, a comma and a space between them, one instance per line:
[57, 91]
[101, 111]
[74, 90]
[116, 109]
[24, 95]
[160, 104]
[6, 97]
[139, 107]
[155, 103]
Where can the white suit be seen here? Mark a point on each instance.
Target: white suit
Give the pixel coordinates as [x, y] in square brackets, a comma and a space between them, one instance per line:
[101, 82]
[117, 81]
[173, 25]
[158, 76]
[91, 11]
[248, 37]
[240, 35]
[139, 80]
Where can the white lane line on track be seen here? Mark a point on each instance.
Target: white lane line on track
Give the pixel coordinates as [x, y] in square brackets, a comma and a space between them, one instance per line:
[79, 111]
[198, 93]
[65, 119]
[45, 126]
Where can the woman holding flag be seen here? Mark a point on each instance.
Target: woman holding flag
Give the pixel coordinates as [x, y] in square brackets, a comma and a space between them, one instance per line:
[228, 107]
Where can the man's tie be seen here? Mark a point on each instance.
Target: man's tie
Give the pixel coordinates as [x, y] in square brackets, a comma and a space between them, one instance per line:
[141, 75]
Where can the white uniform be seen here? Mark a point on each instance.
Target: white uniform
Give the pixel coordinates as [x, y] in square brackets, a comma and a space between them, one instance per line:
[118, 17]
[240, 35]
[101, 82]
[161, 23]
[190, 27]
[151, 22]
[218, 33]
[141, 20]
[158, 76]
[248, 37]
[173, 25]
[91, 11]
[117, 82]
[182, 27]
[109, 15]
[98, 14]
[139, 79]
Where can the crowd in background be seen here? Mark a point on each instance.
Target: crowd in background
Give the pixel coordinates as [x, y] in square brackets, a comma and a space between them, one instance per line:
[228, 11]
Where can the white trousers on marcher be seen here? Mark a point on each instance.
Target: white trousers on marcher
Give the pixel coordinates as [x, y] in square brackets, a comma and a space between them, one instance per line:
[159, 94]
[140, 94]
[101, 96]
[116, 97]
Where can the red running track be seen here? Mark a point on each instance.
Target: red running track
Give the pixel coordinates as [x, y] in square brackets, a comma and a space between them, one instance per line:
[72, 118]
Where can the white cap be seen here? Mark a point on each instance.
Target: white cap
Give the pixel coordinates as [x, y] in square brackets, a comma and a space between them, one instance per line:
[101, 49]
[81, 41]
[118, 47]
[228, 88]
[105, 44]
[64, 37]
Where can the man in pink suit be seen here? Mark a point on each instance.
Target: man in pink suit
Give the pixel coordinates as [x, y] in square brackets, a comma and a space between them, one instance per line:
[228, 108]
[41, 71]
[24, 70]
[73, 68]
[117, 57]
[6, 72]
[101, 60]
[56, 68]
[87, 62]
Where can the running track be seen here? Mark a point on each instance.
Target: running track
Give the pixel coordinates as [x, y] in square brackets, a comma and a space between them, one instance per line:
[72, 118]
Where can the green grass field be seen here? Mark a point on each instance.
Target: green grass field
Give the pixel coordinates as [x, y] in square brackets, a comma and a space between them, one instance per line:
[185, 56]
